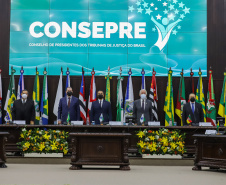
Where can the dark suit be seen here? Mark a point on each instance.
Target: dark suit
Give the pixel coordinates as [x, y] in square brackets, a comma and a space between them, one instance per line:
[74, 109]
[197, 117]
[138, 111]
[96, 111]
[23, 111]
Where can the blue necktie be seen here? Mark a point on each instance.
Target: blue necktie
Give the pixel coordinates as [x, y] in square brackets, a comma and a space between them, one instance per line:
[193, 108]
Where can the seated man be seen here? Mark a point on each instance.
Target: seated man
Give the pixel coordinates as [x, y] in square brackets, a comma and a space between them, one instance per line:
[143, 107]
[100, 108]
[192, 112]
[68, 105]
[24, 109]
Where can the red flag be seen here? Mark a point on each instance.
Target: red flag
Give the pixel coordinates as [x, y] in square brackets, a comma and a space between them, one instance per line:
[92, 94]
[153, 96]
[82, 100]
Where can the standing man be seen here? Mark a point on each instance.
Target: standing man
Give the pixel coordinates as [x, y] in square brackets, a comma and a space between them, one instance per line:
[24, 109]
[192, 112]
[68, 105]
[142, 108]
[99, 109]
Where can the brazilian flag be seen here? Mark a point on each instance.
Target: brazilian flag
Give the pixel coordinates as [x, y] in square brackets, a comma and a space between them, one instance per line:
[36, 98]
[44, 101]
[11, 97]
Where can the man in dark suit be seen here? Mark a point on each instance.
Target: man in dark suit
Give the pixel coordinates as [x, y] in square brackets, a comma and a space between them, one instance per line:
[192, 111]
[99, 109]
[142, 108]
[24, 109]
[68, 105]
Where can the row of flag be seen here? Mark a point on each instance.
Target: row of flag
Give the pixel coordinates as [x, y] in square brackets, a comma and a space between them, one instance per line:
[123, 109]
[41, 114]
[41, 106]
[209, 108]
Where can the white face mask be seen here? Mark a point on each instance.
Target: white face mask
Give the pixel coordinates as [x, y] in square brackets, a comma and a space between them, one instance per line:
[143, 96]
[24, 96]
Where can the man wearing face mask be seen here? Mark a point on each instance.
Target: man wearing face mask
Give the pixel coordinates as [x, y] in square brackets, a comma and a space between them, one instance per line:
[100, 107]
[68, 105]
[192, 110]
[142, 107]
[24, 109]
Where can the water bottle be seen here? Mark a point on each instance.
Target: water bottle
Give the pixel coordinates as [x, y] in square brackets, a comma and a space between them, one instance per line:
[87, 121]
[170, 122]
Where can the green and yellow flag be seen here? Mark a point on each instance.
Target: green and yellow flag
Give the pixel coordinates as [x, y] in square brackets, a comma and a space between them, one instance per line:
[221, 110]
[200, 98]
[44, 101]
[68, 118]
[108, 92]
[10, 98]
[169, 105]
[36, 98]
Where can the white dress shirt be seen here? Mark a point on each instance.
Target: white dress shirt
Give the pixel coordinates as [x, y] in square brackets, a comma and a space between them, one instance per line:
[100, 102]
[23, 100]
[141, 102]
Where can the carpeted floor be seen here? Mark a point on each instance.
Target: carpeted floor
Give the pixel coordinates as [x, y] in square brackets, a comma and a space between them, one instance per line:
[40, 174]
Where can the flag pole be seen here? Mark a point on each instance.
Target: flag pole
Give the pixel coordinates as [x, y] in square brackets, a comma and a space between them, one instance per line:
[108, 70]
[83, 72]
[0, 95]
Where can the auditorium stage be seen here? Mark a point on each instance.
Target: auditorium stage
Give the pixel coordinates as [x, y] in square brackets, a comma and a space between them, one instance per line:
[39, 174]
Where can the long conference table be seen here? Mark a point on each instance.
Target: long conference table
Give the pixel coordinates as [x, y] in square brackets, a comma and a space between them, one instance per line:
[14, 133]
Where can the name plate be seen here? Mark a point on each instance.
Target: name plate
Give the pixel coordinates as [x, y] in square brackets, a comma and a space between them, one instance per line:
[19, 122]
[115, 123]
[154, 123]
[205, 124]
[76, 122]
[210, 132]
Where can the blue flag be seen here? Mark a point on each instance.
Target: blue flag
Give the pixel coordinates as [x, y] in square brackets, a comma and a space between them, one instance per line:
[143, 85]
[129, 98]
[20, 84]
[67, 81]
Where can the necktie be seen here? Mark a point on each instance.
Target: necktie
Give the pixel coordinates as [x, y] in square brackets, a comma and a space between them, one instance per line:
[101, 103]
[193, 108]
[69, 102]
[143, 104]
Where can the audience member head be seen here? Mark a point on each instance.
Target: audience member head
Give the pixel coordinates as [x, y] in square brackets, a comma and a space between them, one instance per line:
[69, 91]
[143, 94]
[192, 97]
[100, 94]
[24, 94]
